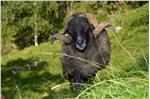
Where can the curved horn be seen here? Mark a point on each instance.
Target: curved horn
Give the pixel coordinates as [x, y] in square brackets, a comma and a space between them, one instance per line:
[65, 38]
[100, 27]
[92, 19]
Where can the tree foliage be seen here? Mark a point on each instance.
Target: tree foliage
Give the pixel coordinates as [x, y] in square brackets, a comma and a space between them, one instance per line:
[18, 21]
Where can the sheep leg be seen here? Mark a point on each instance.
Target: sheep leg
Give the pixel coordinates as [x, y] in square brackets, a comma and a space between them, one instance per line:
[76, 81]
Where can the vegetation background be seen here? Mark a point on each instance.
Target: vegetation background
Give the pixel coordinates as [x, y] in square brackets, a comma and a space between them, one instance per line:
[31, 68]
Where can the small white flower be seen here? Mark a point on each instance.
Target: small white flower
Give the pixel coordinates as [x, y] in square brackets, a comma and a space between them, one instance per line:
[118, 29]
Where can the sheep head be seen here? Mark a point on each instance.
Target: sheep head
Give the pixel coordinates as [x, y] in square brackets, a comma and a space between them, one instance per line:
[78, 29]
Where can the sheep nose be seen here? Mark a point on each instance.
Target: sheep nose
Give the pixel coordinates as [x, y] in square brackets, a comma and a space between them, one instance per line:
[80, 41]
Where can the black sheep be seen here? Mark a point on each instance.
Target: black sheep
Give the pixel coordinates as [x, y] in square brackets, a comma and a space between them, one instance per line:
[86, 48]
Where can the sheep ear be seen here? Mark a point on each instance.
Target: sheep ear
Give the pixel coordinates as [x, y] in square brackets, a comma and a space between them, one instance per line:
[99, 27]
[65, 38]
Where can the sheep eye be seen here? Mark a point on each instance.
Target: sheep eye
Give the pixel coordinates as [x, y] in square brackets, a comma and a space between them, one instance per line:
[69, 32]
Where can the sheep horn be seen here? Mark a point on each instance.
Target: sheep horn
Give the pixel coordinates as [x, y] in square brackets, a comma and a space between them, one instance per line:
[99, 27]
[65, 38]
[92, 19]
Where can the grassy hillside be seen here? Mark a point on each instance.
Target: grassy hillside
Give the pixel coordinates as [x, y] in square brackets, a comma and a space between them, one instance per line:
[32, 73]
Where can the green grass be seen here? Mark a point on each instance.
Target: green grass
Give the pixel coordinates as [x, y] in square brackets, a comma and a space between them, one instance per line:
[124, 78]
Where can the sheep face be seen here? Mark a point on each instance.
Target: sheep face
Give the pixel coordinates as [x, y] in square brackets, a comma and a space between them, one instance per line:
[79, 28]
